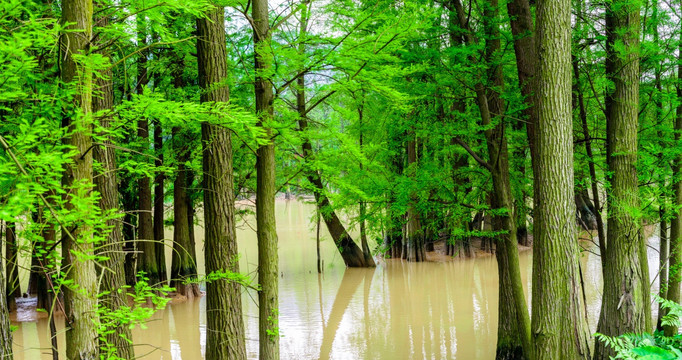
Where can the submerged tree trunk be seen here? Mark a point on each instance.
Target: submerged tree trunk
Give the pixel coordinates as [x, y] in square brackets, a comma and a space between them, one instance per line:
[12, 287]
[183, 266]
[77, 245]
[675, 242]
[146, 257]
[350, 252]
[160, 248]
[556, 276]
[266, 230]
[414, 236]
[5, 330]
[118, 341]
[224, 322]
[624, 306]
[513, 339]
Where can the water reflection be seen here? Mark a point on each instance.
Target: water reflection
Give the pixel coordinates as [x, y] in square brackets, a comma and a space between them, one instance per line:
[399, 310]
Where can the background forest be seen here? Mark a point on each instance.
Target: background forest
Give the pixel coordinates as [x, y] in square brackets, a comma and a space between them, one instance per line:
[481, 125]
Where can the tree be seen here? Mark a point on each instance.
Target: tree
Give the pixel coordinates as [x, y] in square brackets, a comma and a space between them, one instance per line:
[625, 306]
[268, 279]
[224, 324]
[556, 278]
[80, 296]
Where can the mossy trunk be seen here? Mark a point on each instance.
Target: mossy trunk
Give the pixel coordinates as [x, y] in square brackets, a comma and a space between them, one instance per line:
[556, 273]
[625, 307]
[224, 322]
[77, 244]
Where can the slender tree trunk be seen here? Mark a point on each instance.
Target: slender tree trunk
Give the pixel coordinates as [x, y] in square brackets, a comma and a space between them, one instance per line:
[224, 323]
[624, 305]
[414, 239]
[514, 325]
[13, 288]
[268, 305]
[350, 252]
[81, 320]
[146, 258]
[363, 207]
[556, 276]
[129, 202]
[183, 266]
[675, 262]
[159, 193]
[119, 341]
[5, 330]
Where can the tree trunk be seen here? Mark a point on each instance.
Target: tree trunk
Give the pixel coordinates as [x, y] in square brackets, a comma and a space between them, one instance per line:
[556, 276]
[13, 289]
[77, 245]
[414, 239]
[183, 266]
[624, 306]
[513, 339]
[146, 258]
[159, 193]
[5, 330]
[224, 323]
[350, 252]
[119, 339]
[268, 305]
[675, 262]
[129, 202]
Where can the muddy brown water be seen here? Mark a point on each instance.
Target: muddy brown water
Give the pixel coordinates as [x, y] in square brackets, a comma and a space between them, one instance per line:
[400, 310]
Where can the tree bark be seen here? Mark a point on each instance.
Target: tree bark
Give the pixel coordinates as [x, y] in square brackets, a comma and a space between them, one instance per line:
[183, 265]
[414, 236]
[119, 340]
[13, 288]
[224, 323]
[556, 276]
[513, 339]
[5, 330]
[81, 320]
[624, 305]
[266, 230]
[675, 262]
[159, 194]
[146, 258]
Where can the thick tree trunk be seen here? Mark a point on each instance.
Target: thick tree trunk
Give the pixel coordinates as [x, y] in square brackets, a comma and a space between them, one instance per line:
[77, 245]
[159, 193]
[146, 258]
[183, 265]
[224, 323]
[625, 306]
[119, 341]
[12, 287]
[556, 276]
[266, 230]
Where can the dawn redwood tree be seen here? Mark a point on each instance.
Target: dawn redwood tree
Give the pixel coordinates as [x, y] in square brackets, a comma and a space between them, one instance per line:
[625, 306]
[106, 184]
[159, 194]
[224, 323]
[675, 276]
[556, 277]
[268, 279]
[13, 288]
[5, 330]
[78, 247]
[146, 258]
